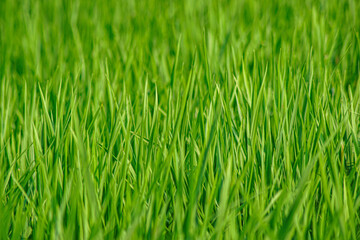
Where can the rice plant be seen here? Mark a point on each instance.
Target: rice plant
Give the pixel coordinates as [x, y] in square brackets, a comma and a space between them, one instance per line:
[182, 119]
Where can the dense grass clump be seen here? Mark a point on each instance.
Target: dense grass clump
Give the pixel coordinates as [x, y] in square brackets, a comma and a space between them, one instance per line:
[179, 119]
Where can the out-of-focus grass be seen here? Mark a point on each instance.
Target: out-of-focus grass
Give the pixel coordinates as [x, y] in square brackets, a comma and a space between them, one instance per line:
[179, 119]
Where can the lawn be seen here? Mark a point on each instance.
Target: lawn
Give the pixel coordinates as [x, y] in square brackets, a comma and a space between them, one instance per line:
[183, 119]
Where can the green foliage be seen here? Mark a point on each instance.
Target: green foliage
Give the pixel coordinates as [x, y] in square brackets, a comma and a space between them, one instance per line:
[179, 119]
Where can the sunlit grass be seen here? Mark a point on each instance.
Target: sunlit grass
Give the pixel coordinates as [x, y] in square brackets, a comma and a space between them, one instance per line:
[179, 119]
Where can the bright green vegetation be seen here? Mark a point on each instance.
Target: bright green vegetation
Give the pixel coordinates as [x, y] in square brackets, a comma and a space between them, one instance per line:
[179, 119]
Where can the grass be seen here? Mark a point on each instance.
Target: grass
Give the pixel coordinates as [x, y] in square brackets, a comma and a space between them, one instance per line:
[179, 119]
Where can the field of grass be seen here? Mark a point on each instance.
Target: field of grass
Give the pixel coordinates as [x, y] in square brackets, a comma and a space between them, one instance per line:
[204, 119]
